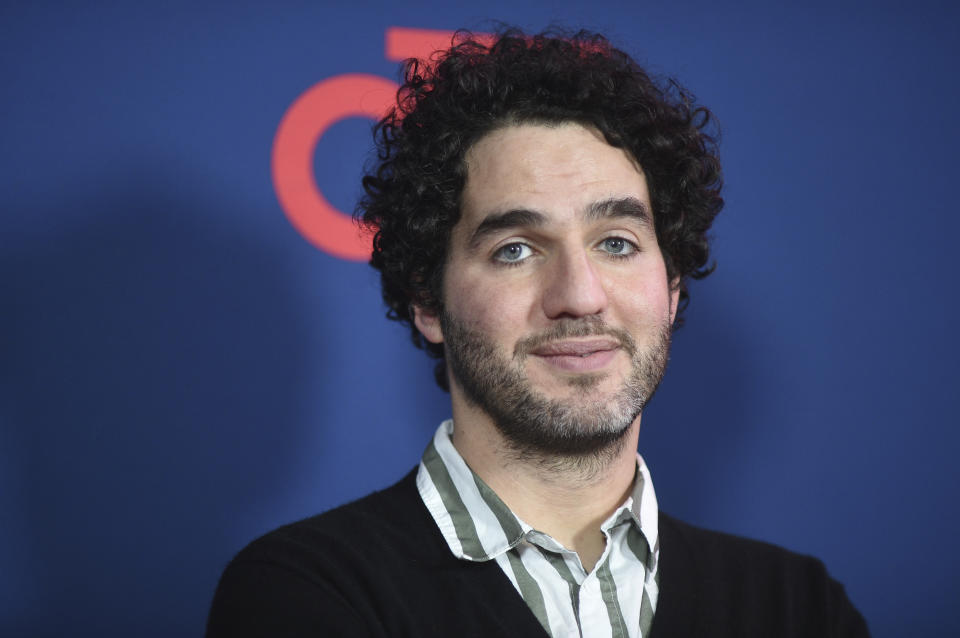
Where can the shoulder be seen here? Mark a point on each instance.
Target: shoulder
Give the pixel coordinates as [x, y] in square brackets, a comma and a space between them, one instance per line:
[381, 521]
[719, 550]
[376, 567]
[749, 586]
[337, 567]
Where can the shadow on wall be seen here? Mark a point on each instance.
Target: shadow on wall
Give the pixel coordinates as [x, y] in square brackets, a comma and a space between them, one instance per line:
[151, 355]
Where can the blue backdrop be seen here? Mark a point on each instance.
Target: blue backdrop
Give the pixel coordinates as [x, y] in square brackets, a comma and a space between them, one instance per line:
[182, 370]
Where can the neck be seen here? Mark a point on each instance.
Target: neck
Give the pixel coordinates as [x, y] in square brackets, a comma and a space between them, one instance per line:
[565, 497]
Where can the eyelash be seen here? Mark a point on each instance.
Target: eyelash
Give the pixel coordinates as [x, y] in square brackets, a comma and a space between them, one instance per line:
[630, 247]
[504, 262]
[631, 250]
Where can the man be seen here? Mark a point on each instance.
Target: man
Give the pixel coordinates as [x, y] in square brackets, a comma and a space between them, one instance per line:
[540, 205]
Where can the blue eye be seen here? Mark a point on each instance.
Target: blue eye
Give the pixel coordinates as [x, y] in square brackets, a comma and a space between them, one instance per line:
[617, 246]
[513, 253]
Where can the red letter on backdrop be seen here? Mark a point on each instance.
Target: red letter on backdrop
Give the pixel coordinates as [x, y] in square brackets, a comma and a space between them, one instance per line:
[401, 43]
[320, 107]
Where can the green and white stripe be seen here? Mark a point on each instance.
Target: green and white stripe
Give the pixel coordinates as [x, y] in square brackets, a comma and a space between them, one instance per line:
[617, 599]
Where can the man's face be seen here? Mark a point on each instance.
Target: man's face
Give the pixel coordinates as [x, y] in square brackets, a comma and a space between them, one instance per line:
[557, 308]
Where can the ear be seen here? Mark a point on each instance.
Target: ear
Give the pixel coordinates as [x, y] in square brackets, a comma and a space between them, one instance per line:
[428, 324]
[674, 299]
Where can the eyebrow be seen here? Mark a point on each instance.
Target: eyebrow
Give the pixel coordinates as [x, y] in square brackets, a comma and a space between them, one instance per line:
[629, 207]
[495, 222]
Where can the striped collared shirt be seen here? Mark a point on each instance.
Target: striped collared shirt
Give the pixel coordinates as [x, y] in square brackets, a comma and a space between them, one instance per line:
[617, 598]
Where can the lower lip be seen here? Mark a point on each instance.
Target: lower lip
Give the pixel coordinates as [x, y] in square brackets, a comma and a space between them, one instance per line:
[575, 363]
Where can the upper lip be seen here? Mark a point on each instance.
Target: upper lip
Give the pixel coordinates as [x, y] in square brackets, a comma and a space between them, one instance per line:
[576, 348]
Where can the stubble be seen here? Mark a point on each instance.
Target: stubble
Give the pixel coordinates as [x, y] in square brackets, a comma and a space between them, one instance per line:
[582, 431]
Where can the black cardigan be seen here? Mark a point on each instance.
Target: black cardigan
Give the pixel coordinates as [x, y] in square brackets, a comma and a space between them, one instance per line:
[380, 567]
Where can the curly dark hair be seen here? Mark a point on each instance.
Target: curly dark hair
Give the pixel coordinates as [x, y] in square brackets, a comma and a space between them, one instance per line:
[446, 105]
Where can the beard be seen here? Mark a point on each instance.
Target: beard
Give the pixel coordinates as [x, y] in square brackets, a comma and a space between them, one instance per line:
[581, 426]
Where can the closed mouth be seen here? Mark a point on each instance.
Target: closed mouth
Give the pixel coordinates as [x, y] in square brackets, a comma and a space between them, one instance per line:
[576, 348]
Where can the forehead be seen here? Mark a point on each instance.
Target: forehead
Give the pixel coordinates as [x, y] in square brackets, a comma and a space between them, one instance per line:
[556, 169]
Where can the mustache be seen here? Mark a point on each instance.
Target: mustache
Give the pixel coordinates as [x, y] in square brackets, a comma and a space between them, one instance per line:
[580, 327]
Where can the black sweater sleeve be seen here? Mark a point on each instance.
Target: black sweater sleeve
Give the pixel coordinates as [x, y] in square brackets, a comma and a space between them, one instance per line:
[715, 584]
[260, 599]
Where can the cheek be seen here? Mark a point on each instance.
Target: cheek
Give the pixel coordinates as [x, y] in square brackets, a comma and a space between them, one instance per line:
[644, 299]
[494, 307]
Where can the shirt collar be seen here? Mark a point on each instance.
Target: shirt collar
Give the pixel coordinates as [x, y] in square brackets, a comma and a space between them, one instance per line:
[478, 526]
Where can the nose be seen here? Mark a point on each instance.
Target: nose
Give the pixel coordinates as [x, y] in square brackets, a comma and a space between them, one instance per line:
[574, 287]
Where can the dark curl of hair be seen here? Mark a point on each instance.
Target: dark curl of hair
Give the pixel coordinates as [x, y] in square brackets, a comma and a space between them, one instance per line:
[412, 198]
